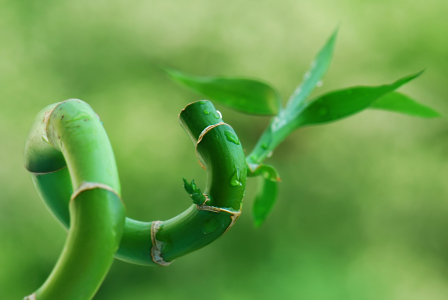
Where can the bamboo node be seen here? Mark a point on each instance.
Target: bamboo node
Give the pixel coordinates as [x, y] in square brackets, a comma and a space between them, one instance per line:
[207, 129]
[90, 186]
[45, 173]
[234, 215]
[186, 107]
[157, 246]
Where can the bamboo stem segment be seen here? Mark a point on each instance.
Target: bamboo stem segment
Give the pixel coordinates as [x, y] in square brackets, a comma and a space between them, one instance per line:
[69, 134]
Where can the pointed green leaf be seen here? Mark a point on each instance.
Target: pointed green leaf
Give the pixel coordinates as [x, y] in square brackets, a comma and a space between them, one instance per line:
[194, 192]
[245, 95]
[265, 200]
[398, 102]
[313, 76]
[187, 186]
[343, 103]
[193, 185]
[267, 171]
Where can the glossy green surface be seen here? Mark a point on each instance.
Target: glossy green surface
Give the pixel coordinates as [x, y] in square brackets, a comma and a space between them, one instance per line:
[192, 229]
[96, 215]
[76, 131]
[89, 251]
[222, 158]
[362, 203]
[56, 186]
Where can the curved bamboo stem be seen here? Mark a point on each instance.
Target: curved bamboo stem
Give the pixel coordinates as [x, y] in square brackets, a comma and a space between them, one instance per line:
[151, 243]
[70, 133]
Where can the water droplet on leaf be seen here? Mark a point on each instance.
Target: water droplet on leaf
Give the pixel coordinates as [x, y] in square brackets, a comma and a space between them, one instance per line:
[319, 83]
[270, 154]
[231, 137]
[202, 101]
[235, 181]
[206, 111]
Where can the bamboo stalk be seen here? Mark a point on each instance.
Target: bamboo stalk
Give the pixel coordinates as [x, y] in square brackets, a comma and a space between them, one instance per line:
[151, 243]
[70, 133]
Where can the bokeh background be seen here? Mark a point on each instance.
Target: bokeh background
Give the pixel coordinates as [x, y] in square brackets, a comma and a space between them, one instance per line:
[362, 211]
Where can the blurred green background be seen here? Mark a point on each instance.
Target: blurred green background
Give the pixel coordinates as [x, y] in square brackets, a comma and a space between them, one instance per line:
[362, 210]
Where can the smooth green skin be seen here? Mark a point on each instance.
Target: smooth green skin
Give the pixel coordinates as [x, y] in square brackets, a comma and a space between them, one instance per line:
[89, 251]
[74, 129]
[192, 229]
[221, 158]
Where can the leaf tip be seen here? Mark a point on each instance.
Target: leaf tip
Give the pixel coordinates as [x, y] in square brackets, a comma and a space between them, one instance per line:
[421, 72]
[257, 224]
[169, 71]
[258, 221]
[434, 114]
[336, 30]
[415, 75]
[332, 39]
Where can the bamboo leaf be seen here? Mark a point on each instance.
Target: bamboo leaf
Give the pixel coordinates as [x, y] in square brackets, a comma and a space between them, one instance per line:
[194, 192]
[245, 95]
[265, 200]
[313, 76]
[343, 103]
[187, 186]
[400, 103]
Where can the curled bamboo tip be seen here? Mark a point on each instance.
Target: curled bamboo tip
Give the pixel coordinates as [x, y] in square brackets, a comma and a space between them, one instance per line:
[47, 116]
[157, 246]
